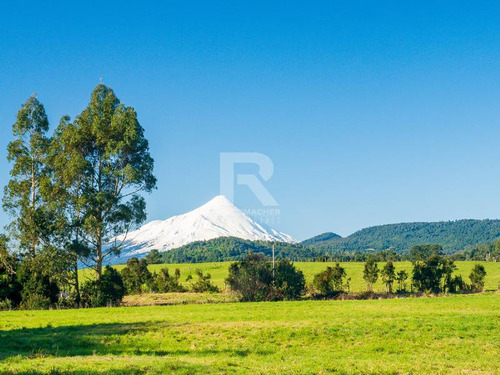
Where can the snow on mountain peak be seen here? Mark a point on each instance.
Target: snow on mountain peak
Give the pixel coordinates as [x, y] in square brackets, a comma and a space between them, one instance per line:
[219, 217]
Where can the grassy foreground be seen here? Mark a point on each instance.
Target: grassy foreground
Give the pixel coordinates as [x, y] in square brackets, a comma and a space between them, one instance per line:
[354, 271]
[448, 335]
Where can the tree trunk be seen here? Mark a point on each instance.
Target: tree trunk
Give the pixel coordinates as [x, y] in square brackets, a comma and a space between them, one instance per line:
[77, 284]
[33, 187]
[99, 255]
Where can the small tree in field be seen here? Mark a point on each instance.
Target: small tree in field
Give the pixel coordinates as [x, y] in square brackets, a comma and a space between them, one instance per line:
[289, 282]
[433, 275]
[135, 275]
[253, 278]
[401, 278]
[331, 281]
[370, 273]
[388, 274]
[477, 277]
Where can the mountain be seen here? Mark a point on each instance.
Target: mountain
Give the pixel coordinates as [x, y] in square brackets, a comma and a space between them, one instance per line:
[217, 218]
[453, 236]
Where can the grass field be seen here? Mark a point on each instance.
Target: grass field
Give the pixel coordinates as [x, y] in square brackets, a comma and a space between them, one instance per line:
[447, 335]
[354, 271]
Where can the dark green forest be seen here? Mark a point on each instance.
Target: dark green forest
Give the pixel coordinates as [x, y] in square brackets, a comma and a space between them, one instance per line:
[231, 248]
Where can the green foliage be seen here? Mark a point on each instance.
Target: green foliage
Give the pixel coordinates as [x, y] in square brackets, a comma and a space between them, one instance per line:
[456, 284]
[421, 252]
[434, 275]
[153, 257]
[388, 274]
[203, 283]
[231, 249]
[370, 273]
[252, 278]
[332, 281]
[219, 272]
[23, 195]
[453, 236]
[103, 163]
[6, 304]
[321, 238]
[10, 289]
[106, 291]
[40, 289]
[477, 277]
[401, 278]
[489, 253]
[163, 282]
[135, 275]
[289, 282]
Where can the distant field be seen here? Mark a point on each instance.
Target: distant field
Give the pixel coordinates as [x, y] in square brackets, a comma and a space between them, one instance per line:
[354, 271]
[447, 335]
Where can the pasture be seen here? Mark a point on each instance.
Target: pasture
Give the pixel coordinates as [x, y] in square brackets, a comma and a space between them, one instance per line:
[447, 335]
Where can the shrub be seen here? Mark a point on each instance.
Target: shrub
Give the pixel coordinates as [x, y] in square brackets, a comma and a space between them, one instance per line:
[6, 304]
[456, 284]
[477, 276]
[331, 281]
[163, 282]
[203, 283]
[251, 277]
[39, 291]
[289, 282]
[10, 289]
[388, 274]
[35, 301]
[135, 275]
[107, 291]
[254, 280]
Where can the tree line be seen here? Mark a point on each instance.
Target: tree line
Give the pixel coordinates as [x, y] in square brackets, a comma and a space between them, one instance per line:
[69, 196]
[255, 279]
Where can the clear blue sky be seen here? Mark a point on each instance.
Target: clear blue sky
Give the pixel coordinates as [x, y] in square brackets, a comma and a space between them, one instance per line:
[372, 113]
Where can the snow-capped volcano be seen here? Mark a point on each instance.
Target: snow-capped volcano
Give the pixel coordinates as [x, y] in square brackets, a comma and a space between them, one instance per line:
[217, 218]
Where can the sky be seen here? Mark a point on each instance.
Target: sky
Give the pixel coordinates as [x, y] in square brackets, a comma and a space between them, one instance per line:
[371, 112]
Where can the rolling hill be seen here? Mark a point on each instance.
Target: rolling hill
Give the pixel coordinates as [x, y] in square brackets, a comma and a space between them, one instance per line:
[453, 236]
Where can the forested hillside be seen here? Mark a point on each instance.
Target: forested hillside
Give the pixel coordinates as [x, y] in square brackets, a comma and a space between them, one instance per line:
[231, 248]
[453, 236]
[321, 238]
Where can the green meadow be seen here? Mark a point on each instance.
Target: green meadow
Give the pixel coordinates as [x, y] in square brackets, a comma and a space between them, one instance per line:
[447, 335]
[354, 271]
